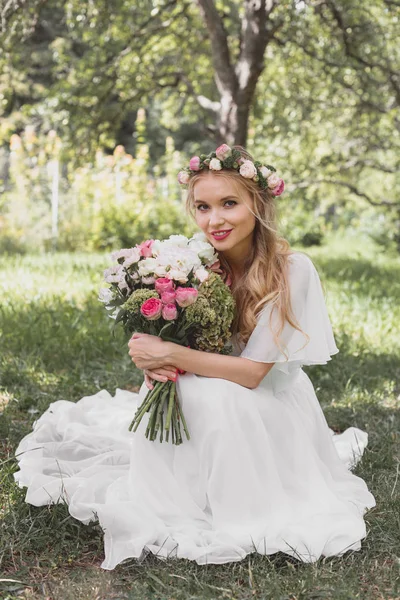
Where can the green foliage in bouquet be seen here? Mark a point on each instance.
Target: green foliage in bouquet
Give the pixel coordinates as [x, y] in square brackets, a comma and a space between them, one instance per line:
[130, 315]
[211, 317]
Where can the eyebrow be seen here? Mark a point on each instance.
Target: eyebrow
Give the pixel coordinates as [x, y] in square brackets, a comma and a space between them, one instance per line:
[221, 200]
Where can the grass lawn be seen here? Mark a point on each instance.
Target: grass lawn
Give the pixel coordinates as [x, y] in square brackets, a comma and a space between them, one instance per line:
[56, 343]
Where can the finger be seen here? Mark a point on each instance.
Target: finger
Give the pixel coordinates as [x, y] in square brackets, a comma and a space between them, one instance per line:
[157, 375]
[148, 381]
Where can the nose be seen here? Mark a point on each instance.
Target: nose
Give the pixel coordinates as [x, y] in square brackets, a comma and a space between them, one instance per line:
[216, 219]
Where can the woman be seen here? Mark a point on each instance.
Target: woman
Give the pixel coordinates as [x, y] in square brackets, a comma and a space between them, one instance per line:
[262, 471]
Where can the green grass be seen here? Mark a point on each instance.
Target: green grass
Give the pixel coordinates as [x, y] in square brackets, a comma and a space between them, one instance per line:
[56, 343]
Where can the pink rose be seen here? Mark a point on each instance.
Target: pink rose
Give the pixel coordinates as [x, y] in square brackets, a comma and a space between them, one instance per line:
[145, 248]
[223, 151]
[151, 309]
[277, 191]
[183, 177]
[169, 312]
[186, 296]
[163, 284]
[168, 297]
[194, 163]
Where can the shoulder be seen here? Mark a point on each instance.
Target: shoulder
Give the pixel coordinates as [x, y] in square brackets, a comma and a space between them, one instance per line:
[298, 262]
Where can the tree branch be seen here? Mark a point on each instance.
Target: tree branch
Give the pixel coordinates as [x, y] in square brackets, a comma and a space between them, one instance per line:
[350, 186]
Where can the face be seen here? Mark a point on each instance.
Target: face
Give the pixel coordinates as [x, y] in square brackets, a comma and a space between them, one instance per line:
[218, 207]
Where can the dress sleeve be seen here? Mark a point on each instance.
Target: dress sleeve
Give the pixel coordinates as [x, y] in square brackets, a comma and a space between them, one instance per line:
[309, 308]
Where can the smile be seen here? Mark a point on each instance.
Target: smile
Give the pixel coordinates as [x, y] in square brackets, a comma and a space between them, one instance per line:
[221, 235]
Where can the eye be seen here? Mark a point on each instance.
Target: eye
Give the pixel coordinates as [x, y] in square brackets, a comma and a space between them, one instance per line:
[200, 205]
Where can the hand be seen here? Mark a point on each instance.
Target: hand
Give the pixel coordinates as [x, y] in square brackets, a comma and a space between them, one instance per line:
[148, 351]
[162, 374]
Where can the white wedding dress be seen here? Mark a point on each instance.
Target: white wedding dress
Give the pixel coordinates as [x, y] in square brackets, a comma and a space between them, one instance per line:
[262, 471]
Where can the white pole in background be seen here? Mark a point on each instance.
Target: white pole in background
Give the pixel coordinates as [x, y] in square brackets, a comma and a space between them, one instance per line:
[54, 201]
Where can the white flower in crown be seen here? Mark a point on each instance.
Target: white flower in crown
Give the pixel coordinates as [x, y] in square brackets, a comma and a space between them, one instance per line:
[247, 169]
[265, 172]
[273, 180]
[215, 164]
[183, 177]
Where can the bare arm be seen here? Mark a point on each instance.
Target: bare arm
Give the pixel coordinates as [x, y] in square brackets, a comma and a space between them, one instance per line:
[243, 371]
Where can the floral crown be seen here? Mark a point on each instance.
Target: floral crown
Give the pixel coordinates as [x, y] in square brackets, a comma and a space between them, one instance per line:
[226, 157]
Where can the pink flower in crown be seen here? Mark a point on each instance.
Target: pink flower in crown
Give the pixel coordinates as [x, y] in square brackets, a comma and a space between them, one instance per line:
[277, 191]
[194, 164]
[151, 309]
[186, 296]
[223, 152]
[183, 177]
[169, 312]
[145, 248]
[164, 284]
[168, 297]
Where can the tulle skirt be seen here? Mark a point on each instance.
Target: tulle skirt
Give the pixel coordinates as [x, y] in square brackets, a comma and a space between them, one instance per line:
[262, 472]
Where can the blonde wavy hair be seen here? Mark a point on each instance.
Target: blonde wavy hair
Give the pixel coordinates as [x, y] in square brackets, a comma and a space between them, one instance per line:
[265, 278]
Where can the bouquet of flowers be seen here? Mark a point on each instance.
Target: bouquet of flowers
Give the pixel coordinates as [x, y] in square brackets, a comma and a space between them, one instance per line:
[176, 290]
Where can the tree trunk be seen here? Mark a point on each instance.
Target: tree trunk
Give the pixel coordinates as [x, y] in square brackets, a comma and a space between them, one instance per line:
[237, 83]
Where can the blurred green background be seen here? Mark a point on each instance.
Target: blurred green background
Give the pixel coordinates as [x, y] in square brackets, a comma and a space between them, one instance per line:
[102, 103]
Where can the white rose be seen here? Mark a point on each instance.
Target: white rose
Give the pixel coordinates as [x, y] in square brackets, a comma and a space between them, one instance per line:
[247, 169]
[177, 240]
[215, 164]
[199, 235]
[183, 259]
[273, 180]
[177, 275]
[160, 271]
[147, 266]
[265, 172]
[157, 245]
[201, 274]
[204, 250]
[148, 280]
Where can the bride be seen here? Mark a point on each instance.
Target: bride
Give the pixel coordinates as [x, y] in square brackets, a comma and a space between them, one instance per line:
[262, 471]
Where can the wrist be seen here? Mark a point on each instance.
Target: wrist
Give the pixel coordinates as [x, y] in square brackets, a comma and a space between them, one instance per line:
[174, 352]
[170, 353]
